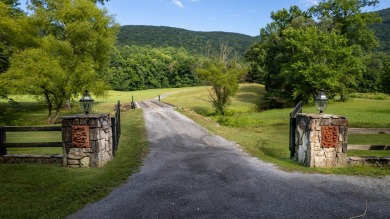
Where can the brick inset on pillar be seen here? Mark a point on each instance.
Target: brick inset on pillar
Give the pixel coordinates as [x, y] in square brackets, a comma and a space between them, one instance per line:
[329, 136]
[80, 136]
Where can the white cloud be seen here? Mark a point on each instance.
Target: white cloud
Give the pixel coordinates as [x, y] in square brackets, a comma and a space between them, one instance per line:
[309, 3]
[178, 3]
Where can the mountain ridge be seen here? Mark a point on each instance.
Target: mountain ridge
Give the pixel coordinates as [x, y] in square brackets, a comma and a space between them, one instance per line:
[202, 42]
[198, 42]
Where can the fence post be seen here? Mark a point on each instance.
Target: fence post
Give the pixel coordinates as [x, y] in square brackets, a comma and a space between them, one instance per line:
[3, 148]
[132, 102]
[113, 128]
[119, 130]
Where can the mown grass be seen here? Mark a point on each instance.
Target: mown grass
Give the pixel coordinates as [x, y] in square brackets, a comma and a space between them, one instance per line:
[265, 134]
[52, 191]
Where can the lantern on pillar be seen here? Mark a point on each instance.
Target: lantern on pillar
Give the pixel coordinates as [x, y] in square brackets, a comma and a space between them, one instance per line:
[321, 101]
[86, 102]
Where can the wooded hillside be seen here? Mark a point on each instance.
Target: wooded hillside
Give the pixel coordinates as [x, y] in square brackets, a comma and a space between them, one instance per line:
[193, 41]
[382, 30]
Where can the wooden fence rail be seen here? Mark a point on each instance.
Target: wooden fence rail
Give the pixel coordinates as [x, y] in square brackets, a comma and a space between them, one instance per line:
[116, 133]
[357, 131]
[3, 137]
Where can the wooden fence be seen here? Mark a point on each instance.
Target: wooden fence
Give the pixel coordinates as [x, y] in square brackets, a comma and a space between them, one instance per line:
[116, 133]
[3, 137]
[368, 131]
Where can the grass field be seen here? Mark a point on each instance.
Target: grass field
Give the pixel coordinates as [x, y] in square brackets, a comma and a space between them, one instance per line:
[52, 191]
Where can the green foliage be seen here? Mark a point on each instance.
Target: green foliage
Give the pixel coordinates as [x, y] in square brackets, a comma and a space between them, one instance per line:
[386, 79]
[223, 75]
[15, 32]
[73, 40]
[346, 17]
[301, 52]
[382, 30]
[200, 43]
[139, 68]
[320, 60]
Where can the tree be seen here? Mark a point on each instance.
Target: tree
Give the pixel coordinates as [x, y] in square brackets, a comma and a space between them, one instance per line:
[321, 59]
[386, 79]
[347, 18]
[300, 52]
[75, 37]
[223, 74]
[15, 34]
[268, 56]
[36, 72]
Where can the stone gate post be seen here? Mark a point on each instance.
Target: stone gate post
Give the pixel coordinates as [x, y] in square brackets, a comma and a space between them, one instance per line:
[321, 140]
[87, 140]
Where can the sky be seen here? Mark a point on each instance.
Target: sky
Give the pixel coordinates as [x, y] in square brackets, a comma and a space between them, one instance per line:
[237, 16]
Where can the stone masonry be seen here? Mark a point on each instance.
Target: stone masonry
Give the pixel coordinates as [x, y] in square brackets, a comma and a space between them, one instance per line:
[87, 140]
[321, 140]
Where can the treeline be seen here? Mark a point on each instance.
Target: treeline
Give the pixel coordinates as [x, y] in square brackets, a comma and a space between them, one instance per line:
[139, 68]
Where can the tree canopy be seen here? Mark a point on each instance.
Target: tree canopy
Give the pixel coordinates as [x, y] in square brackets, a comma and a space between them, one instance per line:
[222, 73]
[71, 52]
[324, 47]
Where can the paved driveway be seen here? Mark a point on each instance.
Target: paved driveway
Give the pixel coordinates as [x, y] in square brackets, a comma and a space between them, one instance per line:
[192, 174]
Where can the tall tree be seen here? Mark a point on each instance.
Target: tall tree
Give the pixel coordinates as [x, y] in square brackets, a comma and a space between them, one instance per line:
[76, 37]
[299, 52]
[223, 75]
[320, 59]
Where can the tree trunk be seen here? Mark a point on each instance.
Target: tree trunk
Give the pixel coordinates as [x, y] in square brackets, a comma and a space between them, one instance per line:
[52, 119]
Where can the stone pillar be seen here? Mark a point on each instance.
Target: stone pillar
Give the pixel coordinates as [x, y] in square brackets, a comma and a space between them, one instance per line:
[321, 140]
[87, 140]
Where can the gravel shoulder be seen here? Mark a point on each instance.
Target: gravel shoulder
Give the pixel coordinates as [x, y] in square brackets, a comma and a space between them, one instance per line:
[191, 173]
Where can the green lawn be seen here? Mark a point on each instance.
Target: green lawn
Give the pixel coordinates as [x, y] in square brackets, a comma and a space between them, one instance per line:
[52, 191]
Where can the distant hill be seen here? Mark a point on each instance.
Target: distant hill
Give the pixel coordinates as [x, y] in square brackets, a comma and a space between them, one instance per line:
[199, 42]
[382, 30]
[193, 41]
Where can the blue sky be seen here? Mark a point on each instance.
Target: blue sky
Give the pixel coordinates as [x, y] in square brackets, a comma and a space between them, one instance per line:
[238, 16]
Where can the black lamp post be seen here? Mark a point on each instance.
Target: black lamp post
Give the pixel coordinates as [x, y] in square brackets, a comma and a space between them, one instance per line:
[86, 102]
[321, 101]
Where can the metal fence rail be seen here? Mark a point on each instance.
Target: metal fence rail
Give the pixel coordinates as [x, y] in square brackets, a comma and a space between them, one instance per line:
[116, 127]
[293, 126]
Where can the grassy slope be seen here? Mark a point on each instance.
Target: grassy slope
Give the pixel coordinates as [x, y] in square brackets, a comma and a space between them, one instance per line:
[265, 134]
[51, 191]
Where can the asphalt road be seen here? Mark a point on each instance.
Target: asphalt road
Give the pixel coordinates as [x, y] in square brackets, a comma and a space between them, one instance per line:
[190, 173]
